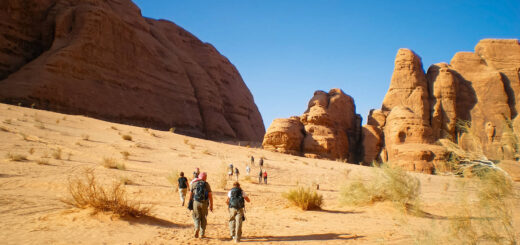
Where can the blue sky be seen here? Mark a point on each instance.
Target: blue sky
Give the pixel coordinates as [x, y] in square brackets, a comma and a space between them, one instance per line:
[285, 50]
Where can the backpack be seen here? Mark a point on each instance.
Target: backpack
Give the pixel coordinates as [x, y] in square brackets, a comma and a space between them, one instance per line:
[236, 200]
[200, 192]
[182, 183]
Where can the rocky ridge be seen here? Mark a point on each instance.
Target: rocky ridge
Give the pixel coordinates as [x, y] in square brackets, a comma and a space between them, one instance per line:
[103, 59]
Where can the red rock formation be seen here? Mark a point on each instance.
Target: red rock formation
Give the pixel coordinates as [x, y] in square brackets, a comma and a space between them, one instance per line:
[103, 59]
[481, 88]
[408, 86]
[332, 129]
[285, 136]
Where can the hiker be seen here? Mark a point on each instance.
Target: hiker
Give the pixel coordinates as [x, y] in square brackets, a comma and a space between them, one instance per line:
[252, 161]
[183, 187]
[260, 177]
[196, 173]
[261, 163]
[236, 205]
[248, 170]
[265, 177]
[202, 198]
[236, 173]
[230, 171]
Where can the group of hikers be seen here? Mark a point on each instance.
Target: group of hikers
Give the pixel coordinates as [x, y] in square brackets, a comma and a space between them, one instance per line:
[201, 199]
[261, 174]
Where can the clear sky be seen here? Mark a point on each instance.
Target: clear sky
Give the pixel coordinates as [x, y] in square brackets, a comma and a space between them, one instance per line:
[285, 50]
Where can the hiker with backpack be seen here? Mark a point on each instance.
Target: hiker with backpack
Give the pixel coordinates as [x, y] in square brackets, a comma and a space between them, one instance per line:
[196, 173]
[236, 205]
[260, 176]
[265, 177]
[200, 199]
[230, 171]
[236, 173]
[252, 161]
[183, 187]
[261, 163]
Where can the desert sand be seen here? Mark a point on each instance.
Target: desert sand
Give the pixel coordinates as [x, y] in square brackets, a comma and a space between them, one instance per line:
[32, 210]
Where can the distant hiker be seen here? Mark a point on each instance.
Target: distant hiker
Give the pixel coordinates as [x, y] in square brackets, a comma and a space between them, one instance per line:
[196, 173]
[261, 163]
[183, 187]
[260, 175]
[248, 170]
[230, 171]
[202, 198]
[236, 205]
[236, 173]
[252, 161]
[265, 177]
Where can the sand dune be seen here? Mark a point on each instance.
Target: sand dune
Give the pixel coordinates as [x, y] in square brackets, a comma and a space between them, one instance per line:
[31, 194]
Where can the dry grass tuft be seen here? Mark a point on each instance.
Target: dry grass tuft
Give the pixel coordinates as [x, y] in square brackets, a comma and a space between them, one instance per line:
[43, 161]
[391, 184]
[7, 121]
[304, 198]
[126, 137]
[86, 192]
[125, 154]
[31, 151]
[113, 163]
[172, 129]
[487, 220]
[126, 181]
[4, 129]
[56, 154]
[16, 157]
[85, 137]
[39, 125]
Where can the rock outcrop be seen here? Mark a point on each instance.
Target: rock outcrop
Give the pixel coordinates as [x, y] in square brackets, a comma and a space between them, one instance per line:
[103, 59]
[331, 129]
[472, 101]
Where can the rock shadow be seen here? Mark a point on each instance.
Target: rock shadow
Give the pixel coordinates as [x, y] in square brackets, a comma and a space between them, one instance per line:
[154, 221]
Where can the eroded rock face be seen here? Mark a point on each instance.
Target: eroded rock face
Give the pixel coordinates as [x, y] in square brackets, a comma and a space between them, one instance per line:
[478, 89]
[332, 129]
[408, 86]
[285, 136]
[103, 59]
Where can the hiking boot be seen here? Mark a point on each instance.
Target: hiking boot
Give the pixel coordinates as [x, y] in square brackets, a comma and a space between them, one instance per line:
[196, 234]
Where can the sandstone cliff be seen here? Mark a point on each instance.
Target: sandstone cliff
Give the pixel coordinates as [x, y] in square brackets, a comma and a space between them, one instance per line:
[329, 128]
[103, 59]
[479, 90]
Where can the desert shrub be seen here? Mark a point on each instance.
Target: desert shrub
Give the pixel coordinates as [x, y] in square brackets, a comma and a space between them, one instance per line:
[56, 154]
[125, 154]
[126, 137]
[39, 125]
[87, 192]
[126, 181]
[16, 157]
[391, 184]
[43, 161]
[304, 198]
[486, 220]
[113, 163]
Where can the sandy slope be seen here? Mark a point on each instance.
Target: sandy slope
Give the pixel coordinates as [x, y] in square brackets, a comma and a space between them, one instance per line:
[31, 210]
